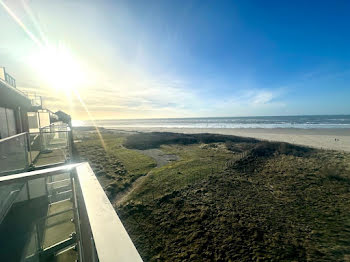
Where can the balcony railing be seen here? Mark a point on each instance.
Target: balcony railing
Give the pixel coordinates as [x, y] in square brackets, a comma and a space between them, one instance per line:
[35, 99]
[9, 79]
[68, 217]
[51, 145]
[14, 153]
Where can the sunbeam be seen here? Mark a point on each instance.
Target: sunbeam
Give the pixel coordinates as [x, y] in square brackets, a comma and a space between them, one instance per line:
[19, 22]
[57, 65]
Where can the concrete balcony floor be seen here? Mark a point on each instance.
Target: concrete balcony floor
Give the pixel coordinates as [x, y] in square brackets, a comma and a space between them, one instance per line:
[51, 157]
[19, 235]
[59, 227]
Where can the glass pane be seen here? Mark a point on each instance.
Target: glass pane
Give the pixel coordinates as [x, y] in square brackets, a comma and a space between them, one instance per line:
[59, 187]
[44, 118]
[8, 195]
[13, 154]
[11, 121]
[33, 122]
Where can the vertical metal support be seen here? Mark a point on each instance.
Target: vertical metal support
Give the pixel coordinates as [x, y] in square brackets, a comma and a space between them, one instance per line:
[46, 189]
[40, 247]
[70, 144]
[38, 237]
[76, 215]
[38, 114]
[7, 123]
[28, 194]
[29, 148]
[19, 112]
[25, 143]
[40, 140]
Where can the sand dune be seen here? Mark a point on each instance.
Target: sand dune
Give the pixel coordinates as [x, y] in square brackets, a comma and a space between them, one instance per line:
[319, 138]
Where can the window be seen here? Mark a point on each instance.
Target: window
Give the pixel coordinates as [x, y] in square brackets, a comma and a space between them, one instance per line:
[11, 122]
[33, 122]
[3, 123]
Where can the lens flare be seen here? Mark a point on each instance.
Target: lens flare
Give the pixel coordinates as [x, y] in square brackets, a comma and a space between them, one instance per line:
[19, 22]
[56, 64]
[58, 67]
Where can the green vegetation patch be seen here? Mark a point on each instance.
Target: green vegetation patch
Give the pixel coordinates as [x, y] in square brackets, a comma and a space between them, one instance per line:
[115, 166]
[287, 204]
[134, 162]
[196, 163]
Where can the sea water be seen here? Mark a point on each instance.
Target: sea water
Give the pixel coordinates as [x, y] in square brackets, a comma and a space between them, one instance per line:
[305, 122]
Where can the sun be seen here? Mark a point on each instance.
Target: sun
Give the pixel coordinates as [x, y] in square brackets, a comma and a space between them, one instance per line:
[59, 68]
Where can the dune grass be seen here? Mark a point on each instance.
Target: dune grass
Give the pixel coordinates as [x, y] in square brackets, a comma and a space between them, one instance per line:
[196, 162]
[134, 162]
[115, 166]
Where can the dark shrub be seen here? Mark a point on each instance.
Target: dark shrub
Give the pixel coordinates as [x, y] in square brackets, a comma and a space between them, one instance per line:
[271, 148]
[336, 174]
[155, 139]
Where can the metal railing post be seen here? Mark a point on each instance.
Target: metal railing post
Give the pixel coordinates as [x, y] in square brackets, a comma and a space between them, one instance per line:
[29, 148]
[27, 187]
[70, 144]
[41, 140]
[76, 215]
[25, 142]
[38, 237]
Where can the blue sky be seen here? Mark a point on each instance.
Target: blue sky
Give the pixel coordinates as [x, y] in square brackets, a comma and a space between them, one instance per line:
[189, 58]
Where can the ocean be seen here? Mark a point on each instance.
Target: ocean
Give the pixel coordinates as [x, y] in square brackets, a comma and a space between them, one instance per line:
[304, 122]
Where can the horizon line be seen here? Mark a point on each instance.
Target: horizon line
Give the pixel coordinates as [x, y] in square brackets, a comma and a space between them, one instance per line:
[203, 117]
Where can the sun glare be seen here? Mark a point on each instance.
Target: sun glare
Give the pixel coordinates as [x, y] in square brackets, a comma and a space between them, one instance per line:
[59, 68]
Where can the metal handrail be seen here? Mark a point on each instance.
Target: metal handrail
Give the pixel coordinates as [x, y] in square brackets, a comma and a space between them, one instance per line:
[54, 124]
[24, 177]
[24, 162]
[47, 132]
[12, 137]
[47, 140]
[60, 181]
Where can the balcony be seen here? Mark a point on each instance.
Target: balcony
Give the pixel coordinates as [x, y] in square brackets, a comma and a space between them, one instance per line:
[55, 210]
[35, 99]
[60, 214]
[25, 151]
[7, 77]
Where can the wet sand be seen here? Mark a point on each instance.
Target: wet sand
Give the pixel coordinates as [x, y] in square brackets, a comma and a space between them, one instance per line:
[318, 138]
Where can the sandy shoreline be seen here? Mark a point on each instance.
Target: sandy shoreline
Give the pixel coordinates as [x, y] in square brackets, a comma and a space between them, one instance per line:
[318, 138]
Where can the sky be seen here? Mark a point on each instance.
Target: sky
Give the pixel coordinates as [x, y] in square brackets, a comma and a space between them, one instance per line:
[162, 59]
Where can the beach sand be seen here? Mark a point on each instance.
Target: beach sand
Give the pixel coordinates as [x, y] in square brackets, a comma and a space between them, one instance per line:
[318, 138]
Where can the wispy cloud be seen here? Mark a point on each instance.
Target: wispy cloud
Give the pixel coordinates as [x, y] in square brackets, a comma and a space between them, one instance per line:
[119, 84]
[146, 96]
[250, 102]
